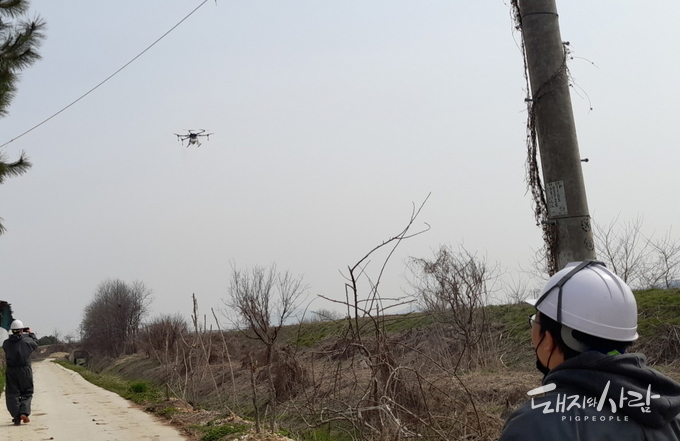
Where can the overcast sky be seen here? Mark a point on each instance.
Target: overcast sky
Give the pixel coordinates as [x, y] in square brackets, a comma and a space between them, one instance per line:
[330, 120]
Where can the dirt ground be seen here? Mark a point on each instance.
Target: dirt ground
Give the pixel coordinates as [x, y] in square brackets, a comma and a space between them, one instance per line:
[66, 407]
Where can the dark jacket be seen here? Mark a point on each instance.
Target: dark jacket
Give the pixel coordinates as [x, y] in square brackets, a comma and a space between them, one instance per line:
[600, 397]
[18, 349]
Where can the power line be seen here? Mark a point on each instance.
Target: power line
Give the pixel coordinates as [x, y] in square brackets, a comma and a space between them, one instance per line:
[109, 77]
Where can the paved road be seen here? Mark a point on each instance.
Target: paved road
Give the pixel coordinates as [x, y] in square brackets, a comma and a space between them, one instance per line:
[66, 407]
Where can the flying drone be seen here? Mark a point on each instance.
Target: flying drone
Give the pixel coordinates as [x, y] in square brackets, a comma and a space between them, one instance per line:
[192, 136]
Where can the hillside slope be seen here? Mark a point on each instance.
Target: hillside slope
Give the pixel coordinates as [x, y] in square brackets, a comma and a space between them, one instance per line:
[410, 374]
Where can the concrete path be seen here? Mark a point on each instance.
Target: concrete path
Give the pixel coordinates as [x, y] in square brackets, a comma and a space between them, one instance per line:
[66, 407]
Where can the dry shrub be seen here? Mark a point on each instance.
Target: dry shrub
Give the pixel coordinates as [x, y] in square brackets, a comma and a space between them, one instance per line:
[341, 349]
[664, 347]
[438, 345]
[206, 348]
[257, 357]
[161, 336]
[290, 377]
[408, 390]
[288, 374]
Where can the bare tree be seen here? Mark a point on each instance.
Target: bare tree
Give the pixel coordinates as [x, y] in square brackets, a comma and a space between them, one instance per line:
[375, 383]
[161, 336]
[70, 338]
[663, 266]
[375, 406]
[538, 267]
[325, 315]
[263, 300]
[455, 286]
[623, 248]
[112, 319]
[518, 290]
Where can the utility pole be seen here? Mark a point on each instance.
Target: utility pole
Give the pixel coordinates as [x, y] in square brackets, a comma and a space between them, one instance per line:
[550, 102]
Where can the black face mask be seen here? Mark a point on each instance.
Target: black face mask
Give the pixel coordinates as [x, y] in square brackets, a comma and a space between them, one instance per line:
[543, 369]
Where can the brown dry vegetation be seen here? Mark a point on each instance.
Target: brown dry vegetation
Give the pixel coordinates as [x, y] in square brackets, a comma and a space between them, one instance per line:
[391, 378]
[403, 384]
[409, 377]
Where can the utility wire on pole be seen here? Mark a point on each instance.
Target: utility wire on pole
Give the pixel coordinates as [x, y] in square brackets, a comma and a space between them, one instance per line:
[561, 206]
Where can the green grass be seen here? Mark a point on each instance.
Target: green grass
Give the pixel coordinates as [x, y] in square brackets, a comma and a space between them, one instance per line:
[215, 433]
[514, 318]
[331, 433]
[168, 412]
[298, 429]
[140, 387]
[655, 298]
[309, 334]
[414, 320]
[139, 392]
[656, 308]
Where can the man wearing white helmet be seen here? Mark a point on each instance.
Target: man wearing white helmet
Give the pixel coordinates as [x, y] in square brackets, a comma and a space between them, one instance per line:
[592, 390]
[19, 375]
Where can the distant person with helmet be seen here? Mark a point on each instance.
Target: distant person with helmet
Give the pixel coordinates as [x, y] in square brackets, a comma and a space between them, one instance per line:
[586, 318]
[19, 385]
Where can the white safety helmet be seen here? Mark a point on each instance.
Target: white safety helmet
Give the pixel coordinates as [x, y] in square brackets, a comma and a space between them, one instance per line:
[588, 297]
[16, 325]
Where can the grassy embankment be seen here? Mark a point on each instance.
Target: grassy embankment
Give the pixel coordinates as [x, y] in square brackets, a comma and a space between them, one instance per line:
[659, 326]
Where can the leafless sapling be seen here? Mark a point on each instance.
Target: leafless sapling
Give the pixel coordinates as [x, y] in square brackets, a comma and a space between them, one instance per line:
[262, 299]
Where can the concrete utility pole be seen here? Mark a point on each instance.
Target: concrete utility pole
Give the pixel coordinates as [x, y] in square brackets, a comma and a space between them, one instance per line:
[556, 131]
